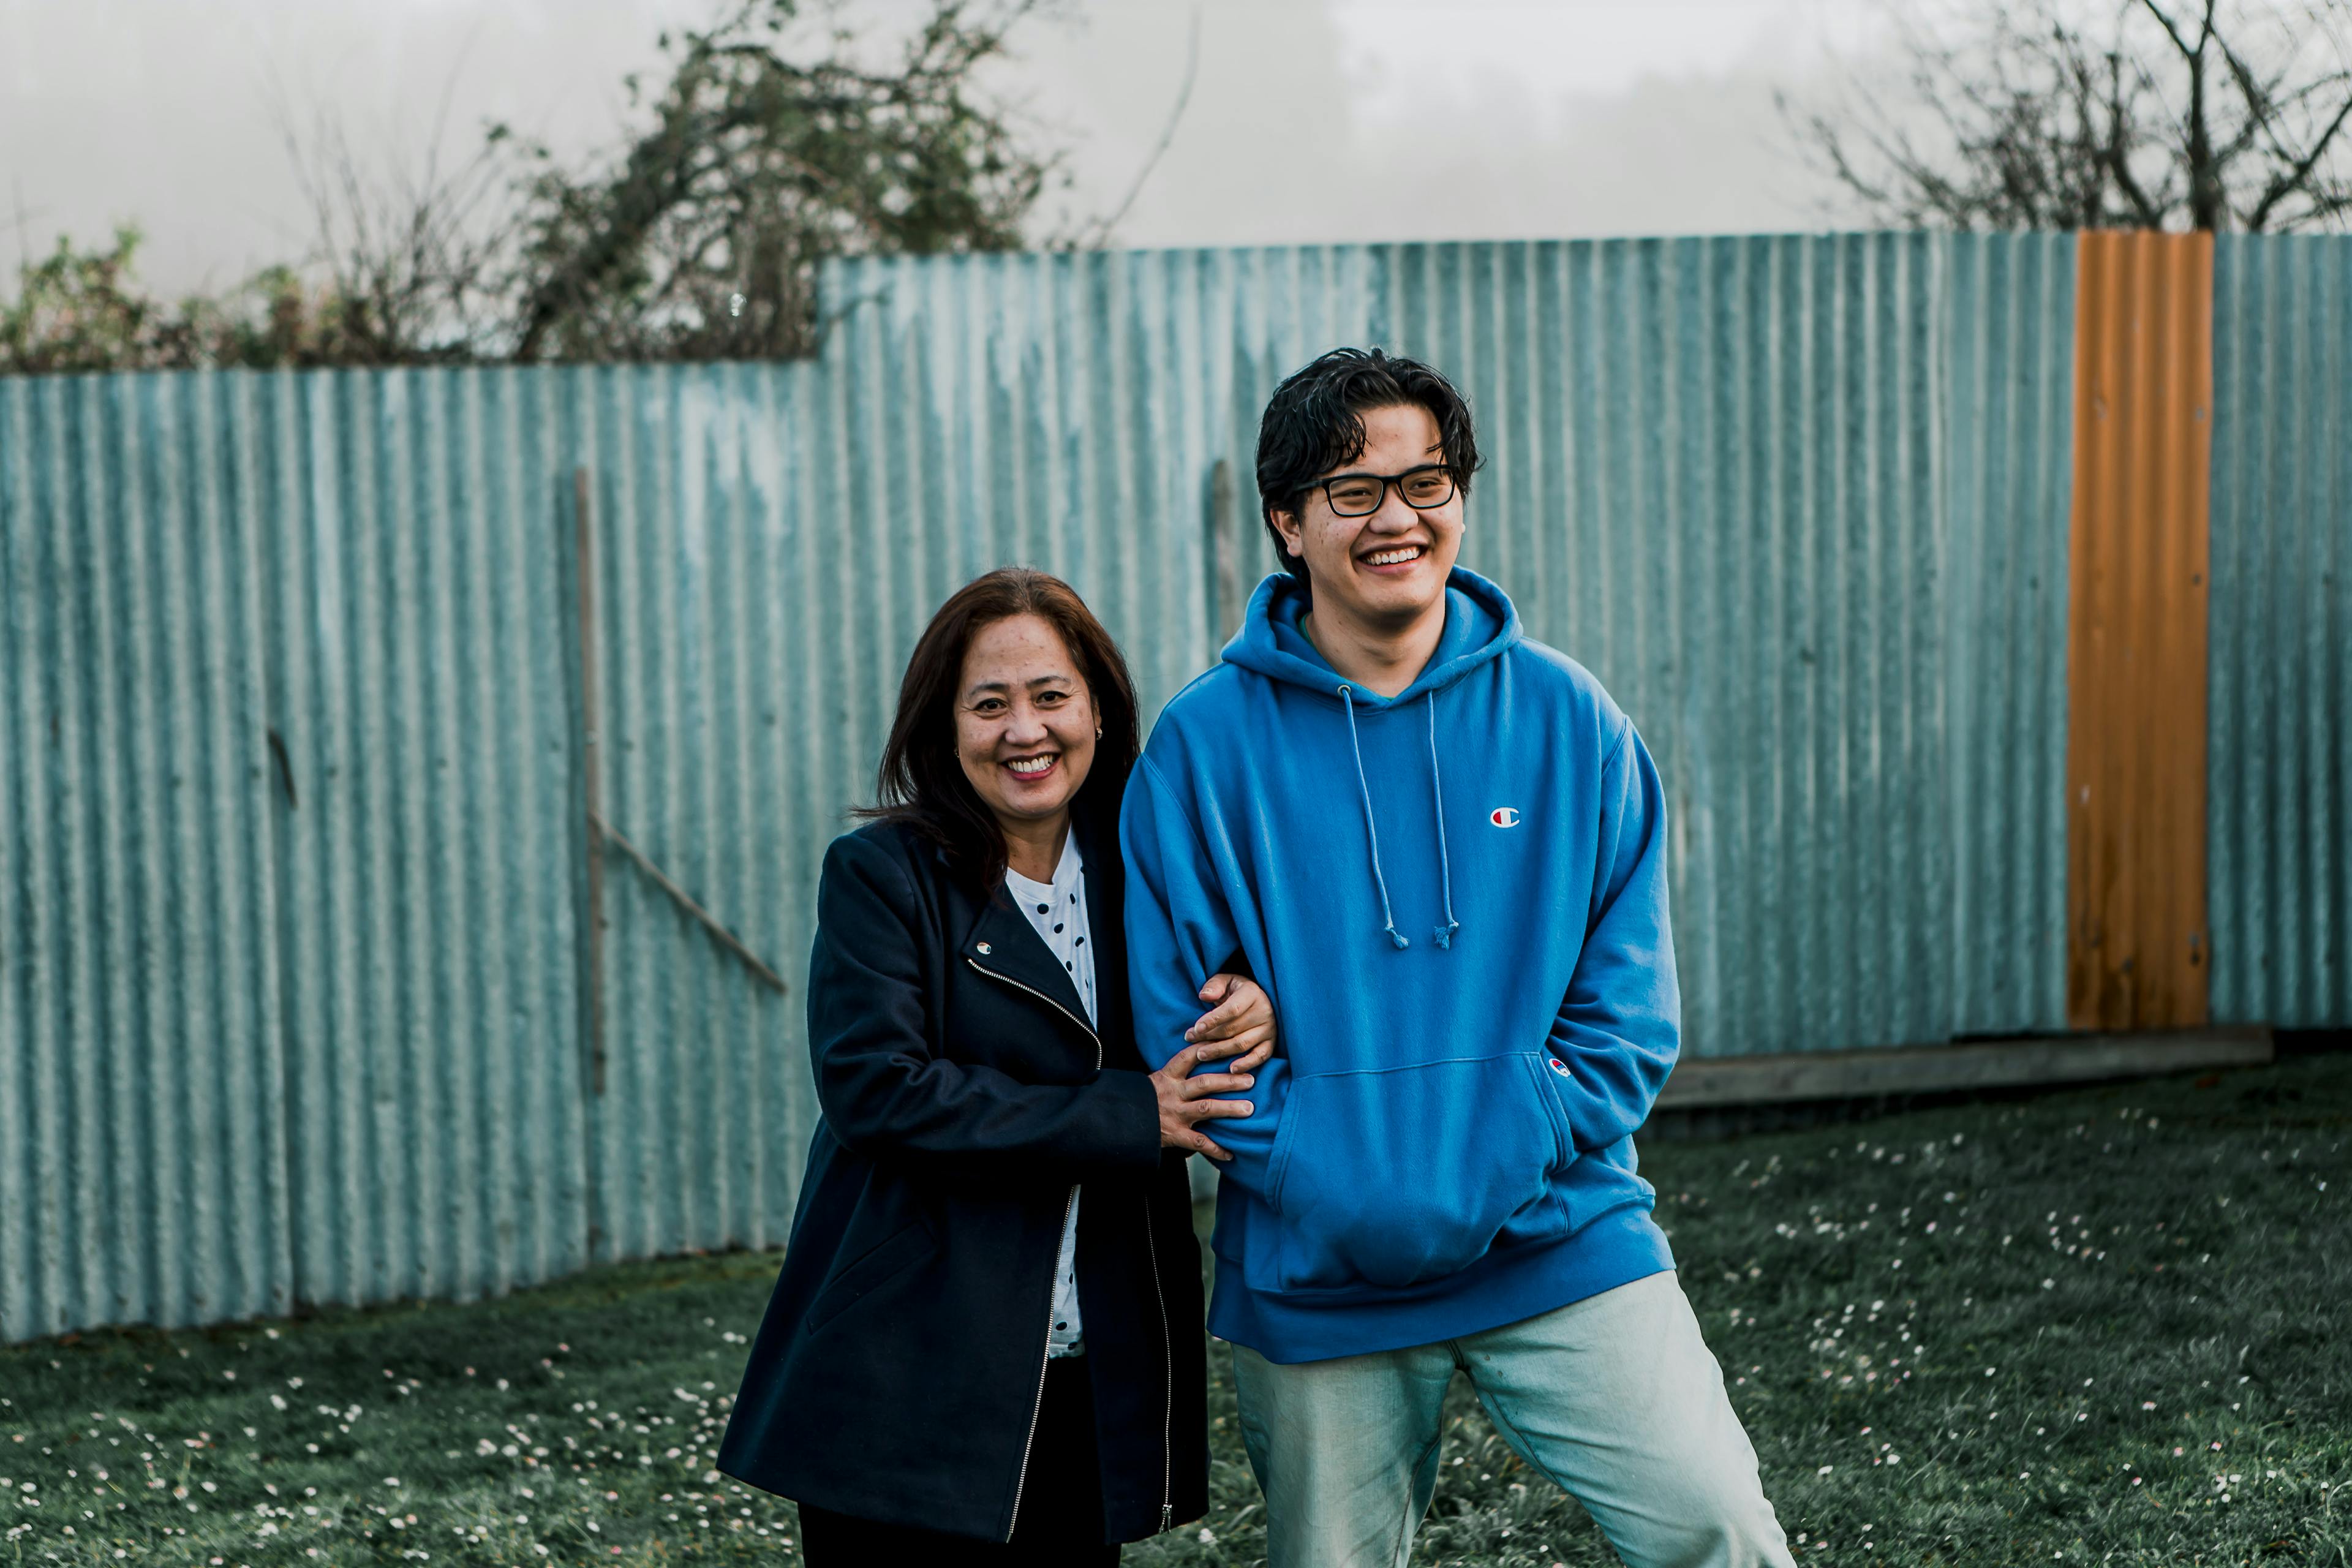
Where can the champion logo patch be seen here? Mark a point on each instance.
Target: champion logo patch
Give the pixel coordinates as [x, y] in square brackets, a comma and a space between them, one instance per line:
[1504, 817]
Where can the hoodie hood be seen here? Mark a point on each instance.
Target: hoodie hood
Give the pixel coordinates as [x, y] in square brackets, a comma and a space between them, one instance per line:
[1480, 625]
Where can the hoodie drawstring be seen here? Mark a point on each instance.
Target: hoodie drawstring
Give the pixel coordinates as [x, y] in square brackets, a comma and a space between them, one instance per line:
[1387, 916]
[1444, 866]
[1444, 934]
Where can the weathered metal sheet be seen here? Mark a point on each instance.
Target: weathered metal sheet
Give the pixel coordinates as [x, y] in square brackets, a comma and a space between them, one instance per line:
[1060, 411]
[143, 1164]
[2279, 767]
[413, 611]
[287, 1012]
[1799, 503]
[2136, 633]
[728, 752]
[2009, 413]
[1739, 496]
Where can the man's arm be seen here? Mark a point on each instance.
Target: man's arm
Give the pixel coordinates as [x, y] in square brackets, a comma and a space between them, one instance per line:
[1619, 1028]
[1180, 931]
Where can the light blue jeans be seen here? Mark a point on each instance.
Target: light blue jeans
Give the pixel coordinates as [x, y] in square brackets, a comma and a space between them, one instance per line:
[1615, 1398]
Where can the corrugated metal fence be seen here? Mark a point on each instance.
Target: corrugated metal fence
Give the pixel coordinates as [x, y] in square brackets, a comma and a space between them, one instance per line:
[291, 841]
[1801, 504]
[2279, 766]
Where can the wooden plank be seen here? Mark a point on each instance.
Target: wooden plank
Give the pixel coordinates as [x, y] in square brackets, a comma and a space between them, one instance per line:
[1997, 1064]
[2135, 672]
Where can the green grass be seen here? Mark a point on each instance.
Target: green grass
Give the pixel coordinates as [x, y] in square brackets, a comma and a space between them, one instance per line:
[2104, 1326]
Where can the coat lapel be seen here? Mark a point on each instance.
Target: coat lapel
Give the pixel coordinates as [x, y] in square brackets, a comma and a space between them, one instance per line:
[1004, 944]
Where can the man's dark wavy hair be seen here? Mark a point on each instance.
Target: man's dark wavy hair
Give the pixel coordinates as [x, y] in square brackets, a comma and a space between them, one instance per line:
[1314, 423]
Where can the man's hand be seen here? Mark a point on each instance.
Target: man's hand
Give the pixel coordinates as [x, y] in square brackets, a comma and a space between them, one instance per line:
[1240, 1022]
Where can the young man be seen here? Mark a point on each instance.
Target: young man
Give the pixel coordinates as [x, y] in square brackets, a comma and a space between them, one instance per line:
[1443, 850]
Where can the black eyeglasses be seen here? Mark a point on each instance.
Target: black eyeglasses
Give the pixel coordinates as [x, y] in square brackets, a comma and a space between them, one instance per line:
[1361, 495]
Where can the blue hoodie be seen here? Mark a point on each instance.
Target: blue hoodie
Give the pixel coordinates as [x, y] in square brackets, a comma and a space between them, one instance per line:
[1457, 897]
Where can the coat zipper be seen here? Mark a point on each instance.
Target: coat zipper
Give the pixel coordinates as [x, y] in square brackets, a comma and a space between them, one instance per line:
[1037, 1406]
[1049, 1002]
[1168, 1375]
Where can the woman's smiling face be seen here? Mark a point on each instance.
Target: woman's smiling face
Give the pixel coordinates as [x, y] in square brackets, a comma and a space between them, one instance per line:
[1024, 721]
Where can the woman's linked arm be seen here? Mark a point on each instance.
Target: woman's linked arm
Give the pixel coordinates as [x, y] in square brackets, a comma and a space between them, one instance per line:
[882, 1088]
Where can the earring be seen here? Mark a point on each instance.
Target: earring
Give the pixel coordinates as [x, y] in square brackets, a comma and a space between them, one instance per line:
[1098, 732]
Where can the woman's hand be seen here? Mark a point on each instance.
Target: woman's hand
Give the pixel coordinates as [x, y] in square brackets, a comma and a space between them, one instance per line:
[1239, 1024]
[1240, 1021]
[1186, 1103]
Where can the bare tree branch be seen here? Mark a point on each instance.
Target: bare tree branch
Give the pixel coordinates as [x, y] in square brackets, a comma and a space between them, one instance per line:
[2292, 182]
[2043, 113]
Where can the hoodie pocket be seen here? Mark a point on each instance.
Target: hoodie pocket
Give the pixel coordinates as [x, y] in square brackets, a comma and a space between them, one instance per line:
[1405, 1174]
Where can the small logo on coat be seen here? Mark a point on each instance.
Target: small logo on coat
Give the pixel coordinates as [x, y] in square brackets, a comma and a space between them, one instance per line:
[985, 950]
[1504, 817]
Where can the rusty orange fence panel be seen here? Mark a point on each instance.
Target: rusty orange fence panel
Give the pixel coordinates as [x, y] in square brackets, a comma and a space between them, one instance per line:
[2135, 669]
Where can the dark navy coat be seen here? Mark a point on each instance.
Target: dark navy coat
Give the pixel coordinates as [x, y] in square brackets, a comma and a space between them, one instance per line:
[898, 1373]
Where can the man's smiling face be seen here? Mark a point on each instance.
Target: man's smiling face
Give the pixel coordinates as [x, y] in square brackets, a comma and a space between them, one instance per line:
[1387, 569]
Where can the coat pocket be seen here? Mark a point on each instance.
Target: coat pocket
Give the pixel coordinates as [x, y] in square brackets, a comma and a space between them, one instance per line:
[894, 1255]
[1401, 1175]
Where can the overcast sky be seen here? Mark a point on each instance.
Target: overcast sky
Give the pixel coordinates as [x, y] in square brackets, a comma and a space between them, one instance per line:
[1307, 119]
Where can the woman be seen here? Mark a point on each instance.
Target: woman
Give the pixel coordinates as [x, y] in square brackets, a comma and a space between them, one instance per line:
[985, 1343]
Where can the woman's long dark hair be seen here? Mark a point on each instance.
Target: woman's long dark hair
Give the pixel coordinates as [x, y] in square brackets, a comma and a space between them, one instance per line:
[922, 783]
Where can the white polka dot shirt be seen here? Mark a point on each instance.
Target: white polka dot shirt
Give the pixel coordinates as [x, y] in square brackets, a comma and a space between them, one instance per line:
[1058, 911]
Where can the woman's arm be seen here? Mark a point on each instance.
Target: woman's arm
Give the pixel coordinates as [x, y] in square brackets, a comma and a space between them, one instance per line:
[882, 1088]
